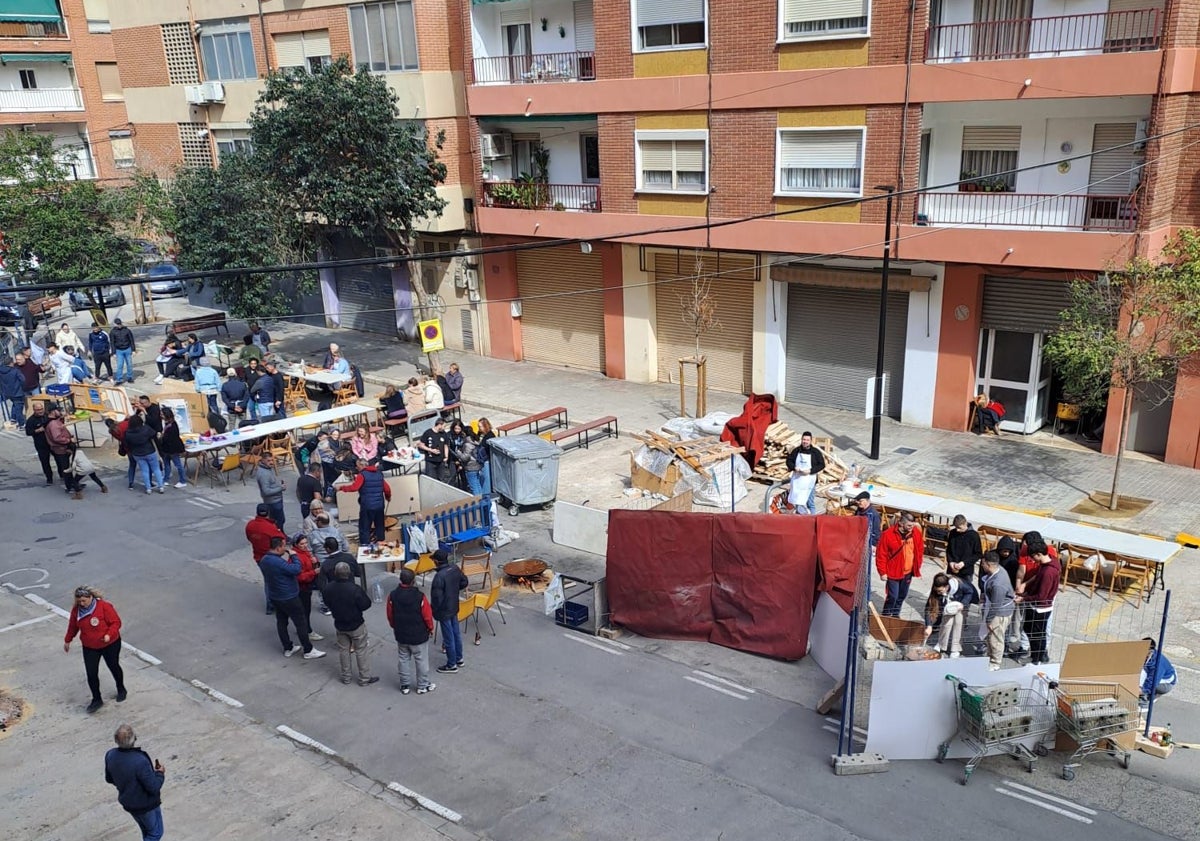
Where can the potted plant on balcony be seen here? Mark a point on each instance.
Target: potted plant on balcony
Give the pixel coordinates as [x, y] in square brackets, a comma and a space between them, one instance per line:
[967, 182]
[506, 195]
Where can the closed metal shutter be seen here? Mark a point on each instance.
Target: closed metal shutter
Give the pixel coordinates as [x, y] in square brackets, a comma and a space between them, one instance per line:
[562, 307]
[1024, 305]
[728, 348]
[365, 298]
[1114, 172]
[830, 346]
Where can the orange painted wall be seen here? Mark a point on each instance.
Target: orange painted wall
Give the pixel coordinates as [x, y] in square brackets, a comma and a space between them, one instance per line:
[614, 311]
[957, 347]
[500, 281]
[1183, 437]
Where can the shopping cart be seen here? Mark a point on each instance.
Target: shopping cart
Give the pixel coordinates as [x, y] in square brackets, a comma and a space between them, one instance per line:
[1093, 714]
[1001, 718]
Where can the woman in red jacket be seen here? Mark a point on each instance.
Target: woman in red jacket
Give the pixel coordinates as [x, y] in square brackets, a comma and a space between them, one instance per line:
[309, 568]
[99, 629]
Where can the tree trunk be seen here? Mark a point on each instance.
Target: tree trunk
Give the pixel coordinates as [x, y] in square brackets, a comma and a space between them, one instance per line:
[416, 284]
[1122, 435]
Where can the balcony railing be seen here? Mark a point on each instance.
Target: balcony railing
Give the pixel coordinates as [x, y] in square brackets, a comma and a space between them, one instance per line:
[544, 67]
[42, 29]
[1028, 210]
[40, 99]
[1102, 32]
[525, 195]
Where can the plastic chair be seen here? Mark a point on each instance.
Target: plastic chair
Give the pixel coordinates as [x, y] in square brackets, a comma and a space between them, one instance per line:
[422, 566]
[220, 472]
[485, 602]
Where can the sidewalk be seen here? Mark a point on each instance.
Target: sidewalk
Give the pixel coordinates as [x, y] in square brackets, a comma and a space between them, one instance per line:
[228, 775]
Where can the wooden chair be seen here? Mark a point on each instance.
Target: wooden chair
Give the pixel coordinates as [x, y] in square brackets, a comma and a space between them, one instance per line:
[294, 395]
[935, 547]
[1074, 559]
[485, 602]
[280, 448]
[479, 563]
[346, 394]
[1137, 571]
[251, 459]
[220, 472]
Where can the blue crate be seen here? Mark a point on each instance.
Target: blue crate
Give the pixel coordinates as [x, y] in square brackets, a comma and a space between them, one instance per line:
[571, 615]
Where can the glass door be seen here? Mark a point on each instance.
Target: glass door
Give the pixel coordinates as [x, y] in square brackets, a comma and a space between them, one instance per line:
[518, 45]
[1013, 372]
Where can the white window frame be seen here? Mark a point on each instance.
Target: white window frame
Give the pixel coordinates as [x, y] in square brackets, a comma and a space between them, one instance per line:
[784, 38]
[360, 60]
[635, 39]
[230, 134]
[222, 33]
[122, 134]
[669, 135]
[780, 192]
[311, 63]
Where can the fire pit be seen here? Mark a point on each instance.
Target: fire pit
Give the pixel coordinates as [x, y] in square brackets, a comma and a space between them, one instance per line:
[527, 572]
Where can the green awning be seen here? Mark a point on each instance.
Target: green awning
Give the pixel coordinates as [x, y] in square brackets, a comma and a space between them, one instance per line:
[57, 58]
[30, 11]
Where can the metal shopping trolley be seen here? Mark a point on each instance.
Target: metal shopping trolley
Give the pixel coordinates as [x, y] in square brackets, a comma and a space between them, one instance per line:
[1001, 718]
[1094, 714]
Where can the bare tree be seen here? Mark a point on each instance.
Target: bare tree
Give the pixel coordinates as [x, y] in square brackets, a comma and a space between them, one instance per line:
[699, 311]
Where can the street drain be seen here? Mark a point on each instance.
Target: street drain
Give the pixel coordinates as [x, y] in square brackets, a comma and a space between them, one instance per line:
[54, 517]
[904, 451]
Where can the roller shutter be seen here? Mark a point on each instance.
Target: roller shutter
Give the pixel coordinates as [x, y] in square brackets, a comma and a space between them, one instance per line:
[1116, 171]
[562, 307]
[365, 299]
[1023, 305]
[830, 346]
[729, 348]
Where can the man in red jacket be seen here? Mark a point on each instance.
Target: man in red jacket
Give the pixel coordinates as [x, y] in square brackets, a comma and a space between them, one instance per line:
[259, 532]
[898, 559]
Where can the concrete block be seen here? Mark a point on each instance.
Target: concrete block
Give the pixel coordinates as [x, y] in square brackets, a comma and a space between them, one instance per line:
[580, 527]
[859, 763]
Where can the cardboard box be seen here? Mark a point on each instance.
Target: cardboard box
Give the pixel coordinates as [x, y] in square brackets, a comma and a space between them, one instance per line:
[1105, 662]
[1154, 748]
[644, 480]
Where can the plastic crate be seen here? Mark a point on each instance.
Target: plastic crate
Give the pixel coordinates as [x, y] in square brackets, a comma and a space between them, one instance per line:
[572, 615]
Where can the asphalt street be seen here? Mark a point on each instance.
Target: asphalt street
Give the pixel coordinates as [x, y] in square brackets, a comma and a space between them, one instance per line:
[546, 733]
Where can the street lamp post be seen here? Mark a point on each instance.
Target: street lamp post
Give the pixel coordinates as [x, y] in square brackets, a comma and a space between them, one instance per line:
[877, 409]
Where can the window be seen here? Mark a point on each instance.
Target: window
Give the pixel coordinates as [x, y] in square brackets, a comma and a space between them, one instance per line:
[819, 162]
[307, 50]
[986, 152]
[589, 151]
[121, 143]
[669, 24]
[810, 19]
[231, 141]
[384, 36]
[110, 82]
[97, 16]
[227, 51]
[28, 80]
[672, 161]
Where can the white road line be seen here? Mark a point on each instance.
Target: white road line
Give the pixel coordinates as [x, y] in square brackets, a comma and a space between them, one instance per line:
[614, 643]
[33, 621]
[577, 638]
[858, 736]
[716, 688]
[425, 802]
[141, 655]
[1186, 668]
[308, 741]
[217, 695]
[836, 724]
[1060, 800]
[201, 502]
[506, 605]
[38, 600]
[1066, 813]
[736, 686]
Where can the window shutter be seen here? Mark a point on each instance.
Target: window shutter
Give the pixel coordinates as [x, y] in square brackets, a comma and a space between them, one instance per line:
[991, 138]
[96, 9]
[508, 17]
[121, 143]
[689, 156]
[585, 29]
[657, 154]
[289, 49]
[316, 43]
[110, 82]
[1113, 172]
[798, 10]
[656, 12]
[820, 150]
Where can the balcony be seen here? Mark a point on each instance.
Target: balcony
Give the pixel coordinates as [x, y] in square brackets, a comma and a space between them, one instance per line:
[543, 67]
[1044, 37]
[40, 99]
[39, 29]
[1027, 210]
[531, 195]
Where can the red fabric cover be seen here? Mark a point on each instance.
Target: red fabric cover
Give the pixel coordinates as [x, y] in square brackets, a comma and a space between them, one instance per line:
[749, 429]
[746, 581]
[841, 545]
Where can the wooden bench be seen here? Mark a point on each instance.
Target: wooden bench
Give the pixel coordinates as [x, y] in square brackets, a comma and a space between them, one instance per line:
[582, 433]
[424, 420]
[533, 423]
[196, 323]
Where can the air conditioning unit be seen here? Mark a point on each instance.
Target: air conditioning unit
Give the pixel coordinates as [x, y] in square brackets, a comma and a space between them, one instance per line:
[494, 146]
[213, 92]
[472, 278]
[460, 278]
[194, 94]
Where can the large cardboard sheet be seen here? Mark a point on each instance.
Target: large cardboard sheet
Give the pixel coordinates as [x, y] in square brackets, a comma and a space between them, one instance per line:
[1106, 662]
[827, 636]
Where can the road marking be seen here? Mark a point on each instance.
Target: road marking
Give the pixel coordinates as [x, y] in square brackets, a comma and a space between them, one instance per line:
[33, 621]
[38, 600]
[730, 683]
[716, 688]
[204, 502]
[432, 805]
[506, 605]
[836, 724]
[858, 736]
[614, 643]
[577, 638]
[307, 741]
[1050, 807]
[1060, 800]
[38, 586]
[217, 695]
[141, 655]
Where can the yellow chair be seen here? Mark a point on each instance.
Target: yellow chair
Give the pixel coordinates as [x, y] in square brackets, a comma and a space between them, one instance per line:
[485, 602]
[220, 472]
[466, 607]
[422, 565]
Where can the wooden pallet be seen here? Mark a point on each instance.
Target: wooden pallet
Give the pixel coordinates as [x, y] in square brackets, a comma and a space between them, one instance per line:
[697, 453]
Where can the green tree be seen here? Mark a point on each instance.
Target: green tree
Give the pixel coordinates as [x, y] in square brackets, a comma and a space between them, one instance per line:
[1131, 330]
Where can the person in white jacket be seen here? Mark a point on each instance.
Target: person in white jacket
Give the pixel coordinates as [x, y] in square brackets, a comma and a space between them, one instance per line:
[433, 394]
[66, 337]
[61, 362]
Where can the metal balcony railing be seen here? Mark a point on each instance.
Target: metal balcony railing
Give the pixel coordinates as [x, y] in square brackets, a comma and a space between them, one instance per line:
[543, 67]
[41, 99]
[41, 29]
[528, 195]
[1028, 210]
[1102, 32]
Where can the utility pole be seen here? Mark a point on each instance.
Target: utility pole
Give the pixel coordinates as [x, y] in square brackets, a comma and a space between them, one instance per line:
[877, 409]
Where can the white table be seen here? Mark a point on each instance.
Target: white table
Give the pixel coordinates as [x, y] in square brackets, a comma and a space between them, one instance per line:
[895, 498]
[314, 375]
[330, 416]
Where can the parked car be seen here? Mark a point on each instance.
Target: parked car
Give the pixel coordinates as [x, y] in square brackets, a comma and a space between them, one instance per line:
[114, 296]
[164, 280]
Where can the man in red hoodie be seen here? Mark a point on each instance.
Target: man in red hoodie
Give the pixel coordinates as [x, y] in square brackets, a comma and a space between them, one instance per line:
[1037, 594]
[259, 532]
[898, 558]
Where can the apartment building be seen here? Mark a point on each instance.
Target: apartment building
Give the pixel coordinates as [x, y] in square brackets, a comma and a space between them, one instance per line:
[192, 70]
[59, 77]
[636, 123]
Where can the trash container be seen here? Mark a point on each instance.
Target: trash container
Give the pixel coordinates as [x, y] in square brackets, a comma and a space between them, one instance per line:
[524, 470]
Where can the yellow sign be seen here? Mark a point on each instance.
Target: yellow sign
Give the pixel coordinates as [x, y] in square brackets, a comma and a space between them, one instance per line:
[99, 316]
[431, 335]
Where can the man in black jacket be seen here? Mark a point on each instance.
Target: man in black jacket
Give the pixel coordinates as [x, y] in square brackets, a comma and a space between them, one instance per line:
[124, 346]
[35, 428]
[138, 782]
[411, 618]
[347, 601]
[806, 463]
[151, 413]
[448, 582]
[963, 549]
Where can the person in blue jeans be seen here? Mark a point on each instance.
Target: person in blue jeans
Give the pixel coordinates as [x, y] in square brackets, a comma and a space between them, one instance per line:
[124, 346]
[448, 582]
[139, 443]
[138, 781]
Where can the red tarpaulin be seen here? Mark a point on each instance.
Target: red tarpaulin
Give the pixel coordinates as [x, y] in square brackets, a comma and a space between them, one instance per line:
[746, 581]
[749, 429]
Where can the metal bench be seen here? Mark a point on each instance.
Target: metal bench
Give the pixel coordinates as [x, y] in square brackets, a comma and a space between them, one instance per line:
[582, 433]
[533, 423]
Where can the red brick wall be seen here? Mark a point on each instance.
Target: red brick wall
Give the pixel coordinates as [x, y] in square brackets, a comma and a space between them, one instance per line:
[1187, 187]
[156, 147]
[742, 36]
[617, 181]
[889, 32]
[434, 34]
[1163, 175]
[883, 158]
[142, 59]
[456, 149]
[1182, 25]
[614, 51]
[335, 19]
[742, 167]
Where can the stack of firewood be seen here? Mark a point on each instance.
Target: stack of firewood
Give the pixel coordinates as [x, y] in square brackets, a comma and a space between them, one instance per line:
[781, 440]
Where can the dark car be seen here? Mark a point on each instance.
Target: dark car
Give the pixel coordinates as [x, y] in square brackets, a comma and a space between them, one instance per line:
[164, 280]
[14, 303]
[114, 296]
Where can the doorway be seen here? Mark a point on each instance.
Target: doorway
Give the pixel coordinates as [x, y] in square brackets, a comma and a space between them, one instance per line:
[1013, 371]
[518, 46]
